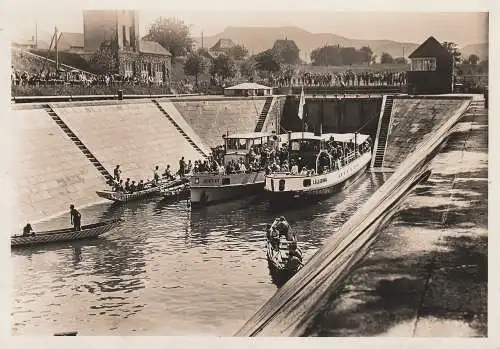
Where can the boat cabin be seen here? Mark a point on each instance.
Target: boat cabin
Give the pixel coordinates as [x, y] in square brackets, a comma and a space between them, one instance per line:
[315, 152]
[237, 146]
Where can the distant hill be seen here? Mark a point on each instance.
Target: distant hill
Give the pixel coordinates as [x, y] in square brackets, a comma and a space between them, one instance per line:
[257, 39]
[479, 49]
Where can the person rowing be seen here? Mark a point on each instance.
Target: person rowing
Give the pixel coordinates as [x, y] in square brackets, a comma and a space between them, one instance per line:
[294, 255]
[283, 227]
[75, 217]
[28, 230]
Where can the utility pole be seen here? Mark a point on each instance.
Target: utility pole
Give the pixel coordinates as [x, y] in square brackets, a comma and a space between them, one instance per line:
[36, 34]
[57, 52]
[201, 39]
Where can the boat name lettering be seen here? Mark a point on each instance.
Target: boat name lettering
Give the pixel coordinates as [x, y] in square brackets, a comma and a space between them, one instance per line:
[211, 180]
[321, 180]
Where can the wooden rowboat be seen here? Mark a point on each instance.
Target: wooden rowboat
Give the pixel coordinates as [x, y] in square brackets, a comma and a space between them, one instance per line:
[179, 190]
[120, 196]
[278, 258]
[68, 234]
[149, 192]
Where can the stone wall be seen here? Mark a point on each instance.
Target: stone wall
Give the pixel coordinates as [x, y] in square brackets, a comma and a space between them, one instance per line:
[412, 121]
[135, 135]
[210, 119]
[48, 171]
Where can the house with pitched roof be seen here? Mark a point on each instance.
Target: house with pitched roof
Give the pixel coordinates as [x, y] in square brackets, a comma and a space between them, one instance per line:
[221, 47]
[431, 69]
[136, 57]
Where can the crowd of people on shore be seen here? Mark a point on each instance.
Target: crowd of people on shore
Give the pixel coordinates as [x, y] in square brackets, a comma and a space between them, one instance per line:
[340, 79]
[79, 78]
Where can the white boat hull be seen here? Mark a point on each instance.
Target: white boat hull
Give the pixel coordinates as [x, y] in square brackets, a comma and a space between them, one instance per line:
[212, 188]
[283, 189]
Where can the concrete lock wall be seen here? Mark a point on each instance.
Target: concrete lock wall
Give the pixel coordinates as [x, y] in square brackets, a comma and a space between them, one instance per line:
[412, 122]
[210, 119]
[135, 135]
[336, 114]
[49, 172]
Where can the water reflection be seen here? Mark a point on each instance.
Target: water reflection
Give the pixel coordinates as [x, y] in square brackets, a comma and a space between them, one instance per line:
[164, 265]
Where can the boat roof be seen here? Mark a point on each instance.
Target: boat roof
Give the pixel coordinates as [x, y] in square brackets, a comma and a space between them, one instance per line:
[338, 137]
[250, 135]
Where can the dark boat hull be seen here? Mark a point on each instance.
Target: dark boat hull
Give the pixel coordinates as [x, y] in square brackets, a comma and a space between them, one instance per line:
[217, 195]
[87, 232]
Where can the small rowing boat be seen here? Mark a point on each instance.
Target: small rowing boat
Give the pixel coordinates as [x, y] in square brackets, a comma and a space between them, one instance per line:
[120, 196]
[67, 234]
[278, 255]
[179, 190]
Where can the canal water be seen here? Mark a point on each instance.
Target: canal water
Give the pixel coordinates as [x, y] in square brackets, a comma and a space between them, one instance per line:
[167, 269]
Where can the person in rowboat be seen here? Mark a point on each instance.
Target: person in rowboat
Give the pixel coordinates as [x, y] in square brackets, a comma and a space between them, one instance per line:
[75, 217]
[28, 230]
[281, 225]
[294, 255]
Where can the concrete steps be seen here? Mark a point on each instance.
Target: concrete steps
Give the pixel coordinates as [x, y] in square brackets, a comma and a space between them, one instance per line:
[107, 176]
[383, 132]
[263, 114]
[204, 152]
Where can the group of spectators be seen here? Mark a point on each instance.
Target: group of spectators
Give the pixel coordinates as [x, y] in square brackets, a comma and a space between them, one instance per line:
[77, 78]
[340, 79]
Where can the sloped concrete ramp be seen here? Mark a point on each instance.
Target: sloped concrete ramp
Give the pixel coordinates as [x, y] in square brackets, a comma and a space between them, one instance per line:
[135, 135]
[48, 171]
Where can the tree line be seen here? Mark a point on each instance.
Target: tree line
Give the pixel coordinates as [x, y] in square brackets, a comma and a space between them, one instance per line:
[174, 35]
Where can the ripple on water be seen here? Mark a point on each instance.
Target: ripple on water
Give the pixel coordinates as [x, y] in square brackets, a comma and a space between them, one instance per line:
[165, 269]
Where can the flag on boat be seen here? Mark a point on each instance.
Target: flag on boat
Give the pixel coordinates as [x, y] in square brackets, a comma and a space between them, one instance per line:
[302, 101]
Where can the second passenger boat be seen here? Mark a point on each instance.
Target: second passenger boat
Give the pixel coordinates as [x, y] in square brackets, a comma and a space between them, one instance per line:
[229, 183]
[320, 166]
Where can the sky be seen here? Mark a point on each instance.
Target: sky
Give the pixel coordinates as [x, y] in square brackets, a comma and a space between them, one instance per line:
[460, 27]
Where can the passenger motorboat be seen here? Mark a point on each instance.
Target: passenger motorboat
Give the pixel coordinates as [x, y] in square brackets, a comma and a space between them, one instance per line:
[220, 186]
[122, 196]
[60, 235]
[320, 171]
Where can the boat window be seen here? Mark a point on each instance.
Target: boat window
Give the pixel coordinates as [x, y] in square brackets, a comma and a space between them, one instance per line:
[242, 144]
[282, 185]
[226, 181]
[257, 141]
[231, 143]
[307, 182]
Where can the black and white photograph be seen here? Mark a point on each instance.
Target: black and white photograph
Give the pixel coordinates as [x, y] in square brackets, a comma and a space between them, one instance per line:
[253, 173]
